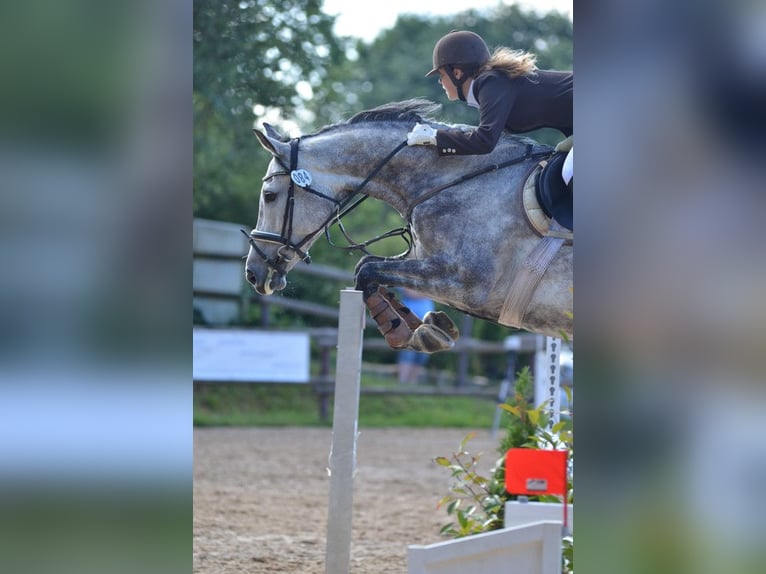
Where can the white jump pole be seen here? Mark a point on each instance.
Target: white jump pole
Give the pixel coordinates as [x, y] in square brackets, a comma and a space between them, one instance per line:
[547, 384]
[344, 431]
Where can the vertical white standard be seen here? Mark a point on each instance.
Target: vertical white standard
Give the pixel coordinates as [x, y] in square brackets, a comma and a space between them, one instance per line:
[344, 431]
[547, 384]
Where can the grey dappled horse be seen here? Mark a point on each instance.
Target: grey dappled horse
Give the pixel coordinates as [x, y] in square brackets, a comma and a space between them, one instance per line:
[470, 236]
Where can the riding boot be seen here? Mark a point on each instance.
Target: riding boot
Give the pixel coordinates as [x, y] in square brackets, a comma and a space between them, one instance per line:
[390, 325]
[412, 320]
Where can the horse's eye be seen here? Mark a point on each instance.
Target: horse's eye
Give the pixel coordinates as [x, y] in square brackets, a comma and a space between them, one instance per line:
[269, 196]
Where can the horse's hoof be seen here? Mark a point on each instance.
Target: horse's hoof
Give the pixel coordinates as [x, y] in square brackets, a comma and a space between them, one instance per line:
[442, 320]
[430, 339]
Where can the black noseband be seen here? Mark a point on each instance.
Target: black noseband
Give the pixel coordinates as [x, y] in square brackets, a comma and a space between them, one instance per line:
[278, 240]
[342, 207]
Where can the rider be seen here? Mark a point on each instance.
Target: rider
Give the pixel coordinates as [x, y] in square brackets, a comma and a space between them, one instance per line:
[507, 88]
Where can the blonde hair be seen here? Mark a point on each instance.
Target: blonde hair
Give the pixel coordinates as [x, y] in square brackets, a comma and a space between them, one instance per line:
[512, 63]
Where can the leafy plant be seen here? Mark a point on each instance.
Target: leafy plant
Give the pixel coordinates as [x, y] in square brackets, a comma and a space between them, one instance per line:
[476, 503]
[524, 421]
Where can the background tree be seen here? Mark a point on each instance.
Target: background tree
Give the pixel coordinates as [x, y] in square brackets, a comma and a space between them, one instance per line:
[253, 59]
[279, 61]
[393, 66]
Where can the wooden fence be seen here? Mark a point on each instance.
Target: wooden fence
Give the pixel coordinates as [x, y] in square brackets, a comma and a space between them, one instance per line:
[222, 296]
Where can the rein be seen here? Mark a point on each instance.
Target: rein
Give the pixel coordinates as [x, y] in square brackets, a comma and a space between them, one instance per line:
[346, 209]
[342, 208]
[463, 178]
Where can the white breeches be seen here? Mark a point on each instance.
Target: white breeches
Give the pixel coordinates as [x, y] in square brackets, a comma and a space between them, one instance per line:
[567, 170]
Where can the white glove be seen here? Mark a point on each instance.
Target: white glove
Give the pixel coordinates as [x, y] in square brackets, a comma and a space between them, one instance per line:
[422, 135]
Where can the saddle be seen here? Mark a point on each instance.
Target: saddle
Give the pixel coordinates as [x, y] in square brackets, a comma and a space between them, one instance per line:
[546, 196]
[548, 208]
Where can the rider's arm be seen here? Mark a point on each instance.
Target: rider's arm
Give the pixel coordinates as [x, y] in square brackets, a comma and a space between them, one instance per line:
[496, 98]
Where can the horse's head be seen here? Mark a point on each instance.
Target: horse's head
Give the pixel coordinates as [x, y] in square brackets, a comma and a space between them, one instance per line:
[310, 180]
[298, 199]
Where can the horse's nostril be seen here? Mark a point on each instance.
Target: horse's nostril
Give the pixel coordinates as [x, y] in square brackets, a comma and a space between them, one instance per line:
[250, 276]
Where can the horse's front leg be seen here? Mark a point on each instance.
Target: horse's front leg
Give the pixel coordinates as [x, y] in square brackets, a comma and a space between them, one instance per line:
[385, 308]
[401, 328]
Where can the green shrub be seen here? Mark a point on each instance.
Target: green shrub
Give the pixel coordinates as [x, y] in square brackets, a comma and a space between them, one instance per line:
[476, 503]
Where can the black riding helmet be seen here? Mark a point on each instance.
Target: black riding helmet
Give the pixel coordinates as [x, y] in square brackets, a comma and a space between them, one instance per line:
[460, 48]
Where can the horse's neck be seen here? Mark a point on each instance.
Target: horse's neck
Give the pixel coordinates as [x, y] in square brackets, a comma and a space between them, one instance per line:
[362, 156]
[358, 151]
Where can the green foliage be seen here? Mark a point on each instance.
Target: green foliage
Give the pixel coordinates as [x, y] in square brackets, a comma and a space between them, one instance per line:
[249, 52]
[567, 554]
[395, 63]
[370, 219]
[424, 411]
[523, 423]
[476, 503]
[268, 404]
[278, 60]
[74, 77]
[257, 404]
[252, 59]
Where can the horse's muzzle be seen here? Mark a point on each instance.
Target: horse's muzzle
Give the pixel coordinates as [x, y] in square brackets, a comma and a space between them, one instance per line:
[273, 280]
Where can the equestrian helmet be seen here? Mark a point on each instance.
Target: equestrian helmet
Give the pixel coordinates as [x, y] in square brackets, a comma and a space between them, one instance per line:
[459, 47]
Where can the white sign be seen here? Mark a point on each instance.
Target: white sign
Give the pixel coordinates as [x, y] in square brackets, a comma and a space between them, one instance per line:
[301, 177]
[240, 355]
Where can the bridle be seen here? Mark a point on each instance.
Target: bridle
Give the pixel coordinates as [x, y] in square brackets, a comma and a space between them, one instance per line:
[300, 178]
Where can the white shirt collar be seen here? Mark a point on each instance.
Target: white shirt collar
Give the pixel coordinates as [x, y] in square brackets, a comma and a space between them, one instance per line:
[470, 99]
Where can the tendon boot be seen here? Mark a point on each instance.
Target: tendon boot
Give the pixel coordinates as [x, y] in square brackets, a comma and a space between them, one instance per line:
[412, 320]
[390, 325]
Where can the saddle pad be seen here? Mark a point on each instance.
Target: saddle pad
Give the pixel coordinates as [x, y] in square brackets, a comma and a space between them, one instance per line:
[534, 212]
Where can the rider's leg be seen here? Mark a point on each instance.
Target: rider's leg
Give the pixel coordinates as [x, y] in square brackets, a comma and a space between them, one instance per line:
[567, 170]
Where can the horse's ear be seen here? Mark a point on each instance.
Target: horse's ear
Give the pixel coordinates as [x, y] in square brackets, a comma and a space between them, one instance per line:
[271, 141]
[272, 133]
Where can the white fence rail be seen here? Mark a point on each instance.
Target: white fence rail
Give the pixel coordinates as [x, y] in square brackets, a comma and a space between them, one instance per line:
[529, 549]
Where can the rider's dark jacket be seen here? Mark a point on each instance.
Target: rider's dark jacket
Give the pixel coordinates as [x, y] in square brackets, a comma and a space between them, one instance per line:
[521, 104]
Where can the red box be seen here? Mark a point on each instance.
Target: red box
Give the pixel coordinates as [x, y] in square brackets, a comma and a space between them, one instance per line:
[535, 472]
